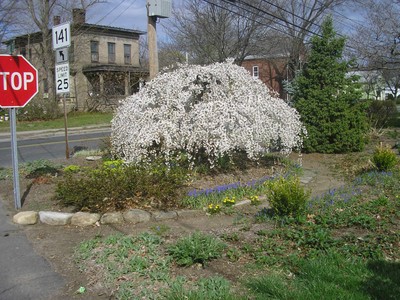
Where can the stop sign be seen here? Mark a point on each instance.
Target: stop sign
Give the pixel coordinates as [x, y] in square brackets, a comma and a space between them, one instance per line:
[18, 81]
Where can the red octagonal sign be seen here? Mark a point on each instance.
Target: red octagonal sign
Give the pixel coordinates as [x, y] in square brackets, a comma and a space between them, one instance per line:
[18, 81]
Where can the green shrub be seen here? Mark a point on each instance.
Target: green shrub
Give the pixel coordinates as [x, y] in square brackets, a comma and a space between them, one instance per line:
[384, 158]
[196, 248]
[380, 113]
[286, 196]
[72, 169]
[115, 185]
[39, 109]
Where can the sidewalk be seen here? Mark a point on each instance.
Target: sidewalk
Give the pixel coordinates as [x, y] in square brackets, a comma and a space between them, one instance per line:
[24, 275]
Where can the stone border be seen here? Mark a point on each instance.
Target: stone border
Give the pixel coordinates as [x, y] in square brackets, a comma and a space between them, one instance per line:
[132, 216]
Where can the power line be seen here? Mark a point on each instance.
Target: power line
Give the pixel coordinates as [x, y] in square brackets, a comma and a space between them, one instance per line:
[277, 17]
[247, 17]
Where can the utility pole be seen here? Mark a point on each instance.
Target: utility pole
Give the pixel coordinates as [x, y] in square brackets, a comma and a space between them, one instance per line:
[152, 43]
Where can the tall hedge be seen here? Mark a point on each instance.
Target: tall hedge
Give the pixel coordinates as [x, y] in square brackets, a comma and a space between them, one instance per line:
[328, 99]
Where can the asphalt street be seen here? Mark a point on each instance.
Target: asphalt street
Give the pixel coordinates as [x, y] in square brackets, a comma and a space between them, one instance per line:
[24, 275]
[50, 144]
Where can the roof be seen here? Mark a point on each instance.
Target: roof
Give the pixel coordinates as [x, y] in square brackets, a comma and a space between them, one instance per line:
[86, 28]
[106, 30]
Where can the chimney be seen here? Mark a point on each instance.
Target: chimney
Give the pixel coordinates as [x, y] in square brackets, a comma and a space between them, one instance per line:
[56, 20]
[78, 16]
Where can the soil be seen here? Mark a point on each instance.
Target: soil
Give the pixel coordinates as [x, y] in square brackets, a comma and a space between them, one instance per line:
[57, 244]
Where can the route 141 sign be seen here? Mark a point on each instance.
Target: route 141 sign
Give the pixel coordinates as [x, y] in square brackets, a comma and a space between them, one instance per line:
[61, 36]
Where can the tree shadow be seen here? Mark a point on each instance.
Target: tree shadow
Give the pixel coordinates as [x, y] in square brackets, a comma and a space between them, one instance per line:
[385, 280]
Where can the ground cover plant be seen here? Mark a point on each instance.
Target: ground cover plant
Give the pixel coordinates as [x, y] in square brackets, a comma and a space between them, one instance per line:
[343, 244]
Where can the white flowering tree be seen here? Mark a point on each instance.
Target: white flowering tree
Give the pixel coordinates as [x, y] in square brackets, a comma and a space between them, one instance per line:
[209, 111]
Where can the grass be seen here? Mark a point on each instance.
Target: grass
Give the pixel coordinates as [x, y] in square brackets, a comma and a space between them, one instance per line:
[75, 119]
[345, 246]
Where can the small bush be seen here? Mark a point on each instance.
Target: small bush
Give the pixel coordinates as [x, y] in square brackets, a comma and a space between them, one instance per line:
[286, 196]
[115, 185]
[380, 113]
[196, 248]
[39, 109]
[384, 158]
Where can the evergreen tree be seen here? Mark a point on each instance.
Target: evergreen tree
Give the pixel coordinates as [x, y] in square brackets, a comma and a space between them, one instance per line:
[328, 99]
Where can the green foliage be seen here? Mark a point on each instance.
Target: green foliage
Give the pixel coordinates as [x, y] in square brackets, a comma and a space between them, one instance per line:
[72, 169]
[327, 277]
[212, 288]
[41, 167]
[196, 248]
[384, 158]
[328, 100]
[5, 173]
[286, 196]
[160, 230]
[116, 185]
[380, 113]
[137, 259]
[39, 109]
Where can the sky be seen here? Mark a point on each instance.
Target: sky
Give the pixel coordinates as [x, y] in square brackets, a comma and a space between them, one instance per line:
[131, 14]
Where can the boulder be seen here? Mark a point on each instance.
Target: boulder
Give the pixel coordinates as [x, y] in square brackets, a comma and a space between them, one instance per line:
[26, 218]
[136, 216]
[55, 218]
[112, 218]
[84, 219]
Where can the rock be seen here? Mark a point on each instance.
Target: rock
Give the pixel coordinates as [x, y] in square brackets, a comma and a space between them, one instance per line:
[93, 158]
[164, 215]
[241, 203]
[136, 216]
[112, 218]
[26, 218]
[186, 213]
[55, 218]
[84, 219]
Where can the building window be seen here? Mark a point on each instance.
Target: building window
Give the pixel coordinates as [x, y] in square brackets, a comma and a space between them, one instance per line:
[111, 52]
[127, 54]
[94, 50]
[256, 72]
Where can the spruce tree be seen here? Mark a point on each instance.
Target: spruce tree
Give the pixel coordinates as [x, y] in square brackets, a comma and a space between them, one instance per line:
[328, 99]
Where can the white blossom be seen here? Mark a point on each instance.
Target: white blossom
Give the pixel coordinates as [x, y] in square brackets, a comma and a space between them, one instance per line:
[217, 109]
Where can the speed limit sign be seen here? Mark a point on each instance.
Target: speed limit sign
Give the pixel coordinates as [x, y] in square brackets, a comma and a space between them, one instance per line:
[62, 78]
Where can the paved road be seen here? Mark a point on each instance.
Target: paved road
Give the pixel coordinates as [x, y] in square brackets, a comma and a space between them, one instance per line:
[50, 144]
[24, 275]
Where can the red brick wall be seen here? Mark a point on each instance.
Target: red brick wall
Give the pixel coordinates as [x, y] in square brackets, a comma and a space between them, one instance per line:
[271, 71]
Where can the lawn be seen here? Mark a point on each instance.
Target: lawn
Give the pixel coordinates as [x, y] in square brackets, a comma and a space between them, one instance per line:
[74, 120]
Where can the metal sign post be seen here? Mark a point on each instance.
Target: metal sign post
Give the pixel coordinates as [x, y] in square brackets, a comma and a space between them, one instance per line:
[14, 154]
[61, 41]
